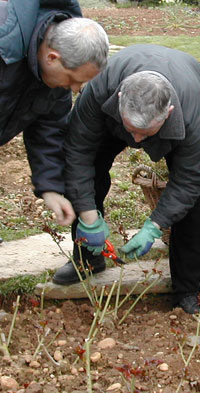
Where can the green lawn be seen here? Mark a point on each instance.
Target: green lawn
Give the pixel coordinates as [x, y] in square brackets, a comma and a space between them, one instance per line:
[187, 44]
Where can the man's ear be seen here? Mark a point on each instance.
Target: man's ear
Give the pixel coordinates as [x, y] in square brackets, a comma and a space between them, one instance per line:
[171, 108]
[52, 56]
[119, 94]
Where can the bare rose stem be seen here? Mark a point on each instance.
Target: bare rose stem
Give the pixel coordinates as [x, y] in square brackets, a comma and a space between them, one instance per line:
[138, 298]
[118, 293]
[92, 333]
[147, 276]
[42, 296]
[83, 281]
[89, 379]
[97, 321]
[4, 344]
[186, 362]
[13, 321]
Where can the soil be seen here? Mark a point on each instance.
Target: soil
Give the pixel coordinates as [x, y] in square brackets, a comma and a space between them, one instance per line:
[153, 343]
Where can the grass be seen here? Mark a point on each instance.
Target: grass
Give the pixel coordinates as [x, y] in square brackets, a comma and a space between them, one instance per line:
[186, 44]
[22, 285]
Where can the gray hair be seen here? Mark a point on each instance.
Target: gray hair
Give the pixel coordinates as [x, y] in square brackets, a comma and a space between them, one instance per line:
[79, 41]
[144, 97]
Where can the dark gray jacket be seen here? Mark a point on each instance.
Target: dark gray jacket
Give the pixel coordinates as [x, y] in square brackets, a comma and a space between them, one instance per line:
[179, 136]
[26, 103]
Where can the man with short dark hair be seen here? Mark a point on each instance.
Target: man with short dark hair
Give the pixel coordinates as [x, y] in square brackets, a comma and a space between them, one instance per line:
[147, 97]
[47, 50]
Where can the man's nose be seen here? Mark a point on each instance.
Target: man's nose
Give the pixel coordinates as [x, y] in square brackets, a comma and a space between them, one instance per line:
[76, 87]
[137, 137]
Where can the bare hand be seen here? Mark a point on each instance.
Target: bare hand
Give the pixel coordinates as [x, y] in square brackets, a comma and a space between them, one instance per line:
[62, 208]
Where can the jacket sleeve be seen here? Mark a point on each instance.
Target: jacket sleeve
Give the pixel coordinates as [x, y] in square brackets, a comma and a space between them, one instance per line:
[81, 144]
[183, 187]
[44, 145]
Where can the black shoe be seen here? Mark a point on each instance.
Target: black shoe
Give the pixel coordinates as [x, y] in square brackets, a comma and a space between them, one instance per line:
[1, 240]
[67, 274]
[190, 304]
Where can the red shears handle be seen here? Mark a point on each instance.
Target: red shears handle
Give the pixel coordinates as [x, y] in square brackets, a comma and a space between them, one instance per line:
[109, 252]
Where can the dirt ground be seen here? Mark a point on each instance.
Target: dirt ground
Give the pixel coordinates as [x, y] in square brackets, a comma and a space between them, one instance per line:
[151, 346]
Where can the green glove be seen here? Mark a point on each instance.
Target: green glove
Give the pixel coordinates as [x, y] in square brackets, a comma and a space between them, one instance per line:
[95, 234]
[141, 243]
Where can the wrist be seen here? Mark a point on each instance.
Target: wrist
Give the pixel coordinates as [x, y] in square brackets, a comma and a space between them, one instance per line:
[156, 224]
[89, 217]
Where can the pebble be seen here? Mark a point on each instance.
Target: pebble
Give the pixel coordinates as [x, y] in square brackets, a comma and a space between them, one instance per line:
[34, 387]
[163, 367]
[106, 343]
[58, 355]
[8, 383]
[61, 343]
[115, 387]
[28, 358]
[34, 364]
[95, 357]
[74, 371]
[172, 316]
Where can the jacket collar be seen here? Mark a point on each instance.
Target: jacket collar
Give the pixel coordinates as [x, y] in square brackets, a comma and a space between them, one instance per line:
[173, 128]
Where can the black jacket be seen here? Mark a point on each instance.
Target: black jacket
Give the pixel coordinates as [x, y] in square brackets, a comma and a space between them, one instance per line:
[26, 103]
[179, 136]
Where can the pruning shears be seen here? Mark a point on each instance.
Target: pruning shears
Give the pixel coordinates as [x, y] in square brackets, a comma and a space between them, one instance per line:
[109, 252]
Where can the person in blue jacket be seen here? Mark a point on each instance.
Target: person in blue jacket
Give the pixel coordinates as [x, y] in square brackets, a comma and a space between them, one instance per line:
[47, 50]
[146, 98]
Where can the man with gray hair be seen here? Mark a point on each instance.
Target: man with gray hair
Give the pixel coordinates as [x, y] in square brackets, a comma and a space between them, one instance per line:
[147, 97]
[47, 50]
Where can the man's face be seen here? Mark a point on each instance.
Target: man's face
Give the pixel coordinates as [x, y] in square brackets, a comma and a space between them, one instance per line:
[139, 134]
[56, 75]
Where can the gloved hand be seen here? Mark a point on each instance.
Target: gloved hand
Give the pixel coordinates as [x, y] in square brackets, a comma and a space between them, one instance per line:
[95, 233]
[62, 208]
[141, 243]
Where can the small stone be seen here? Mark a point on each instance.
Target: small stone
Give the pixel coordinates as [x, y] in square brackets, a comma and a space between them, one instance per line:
[106, 343]
[61, 343]
[95, 357]
[28, 358]
[74, 371]
[58, 355]
[8, 383]
[96, 386]
[172, 317]
[34, 364]
[34, 387]
[163, 367]
[115, 387]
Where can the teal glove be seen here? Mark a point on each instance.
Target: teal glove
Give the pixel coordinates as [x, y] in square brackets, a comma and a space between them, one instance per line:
[141, 243]
[96, 234]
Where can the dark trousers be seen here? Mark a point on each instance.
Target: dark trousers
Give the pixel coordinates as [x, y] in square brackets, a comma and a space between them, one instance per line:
[184, 251]
[185, 254]
[109, 149]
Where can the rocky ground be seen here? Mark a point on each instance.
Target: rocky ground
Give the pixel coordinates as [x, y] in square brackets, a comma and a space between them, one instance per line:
[150, 351]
